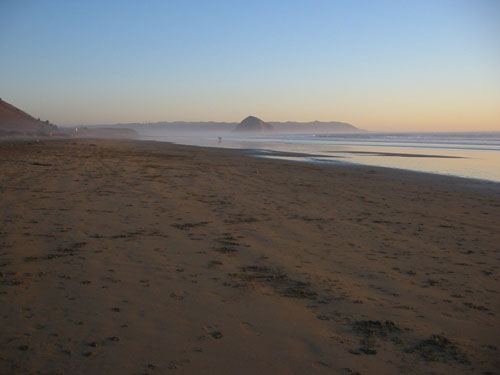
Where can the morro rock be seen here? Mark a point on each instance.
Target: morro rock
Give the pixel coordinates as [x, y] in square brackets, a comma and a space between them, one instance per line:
[253, 125]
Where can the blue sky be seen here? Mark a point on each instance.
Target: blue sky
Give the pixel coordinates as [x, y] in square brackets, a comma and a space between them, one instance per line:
[381, 65]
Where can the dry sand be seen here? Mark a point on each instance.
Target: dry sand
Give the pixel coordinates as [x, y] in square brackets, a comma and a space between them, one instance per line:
[133, 257]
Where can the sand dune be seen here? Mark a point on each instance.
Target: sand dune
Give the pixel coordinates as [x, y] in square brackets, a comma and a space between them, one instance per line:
[127, 257]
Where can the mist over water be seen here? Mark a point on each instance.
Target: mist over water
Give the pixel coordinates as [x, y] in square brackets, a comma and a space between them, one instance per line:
[471, 155]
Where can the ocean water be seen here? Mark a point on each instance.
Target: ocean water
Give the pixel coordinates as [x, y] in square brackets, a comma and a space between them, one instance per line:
[470, 155]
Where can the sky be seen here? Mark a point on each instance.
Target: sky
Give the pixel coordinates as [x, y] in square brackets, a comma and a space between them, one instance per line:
[379, 65]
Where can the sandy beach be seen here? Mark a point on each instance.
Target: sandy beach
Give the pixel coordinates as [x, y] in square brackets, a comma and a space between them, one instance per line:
[130, 257]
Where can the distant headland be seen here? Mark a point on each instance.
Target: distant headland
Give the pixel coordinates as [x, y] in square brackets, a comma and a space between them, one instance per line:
[17, 123]
[249, 125]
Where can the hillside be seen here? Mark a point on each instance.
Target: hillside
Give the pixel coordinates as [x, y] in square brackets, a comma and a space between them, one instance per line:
[13, 121]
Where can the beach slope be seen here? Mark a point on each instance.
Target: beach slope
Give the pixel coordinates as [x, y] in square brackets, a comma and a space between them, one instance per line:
[129, 257]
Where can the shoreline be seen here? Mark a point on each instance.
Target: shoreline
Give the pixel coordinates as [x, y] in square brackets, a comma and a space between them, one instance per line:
[254, 153]
[149, 257]
[338, 157]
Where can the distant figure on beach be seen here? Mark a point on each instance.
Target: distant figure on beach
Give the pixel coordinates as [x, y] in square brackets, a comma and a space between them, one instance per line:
[220, 139]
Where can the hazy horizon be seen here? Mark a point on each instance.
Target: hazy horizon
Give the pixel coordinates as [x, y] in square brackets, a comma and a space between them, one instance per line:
[188, 122]
[384, 66]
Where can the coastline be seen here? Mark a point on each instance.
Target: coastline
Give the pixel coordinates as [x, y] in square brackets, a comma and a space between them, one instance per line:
[289, 155]
[146, 257]
[452, 159]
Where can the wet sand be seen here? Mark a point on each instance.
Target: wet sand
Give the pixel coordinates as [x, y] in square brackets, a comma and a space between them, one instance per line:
[129, 257]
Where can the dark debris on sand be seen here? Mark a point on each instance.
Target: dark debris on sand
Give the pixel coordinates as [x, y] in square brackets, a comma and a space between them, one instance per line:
[439, 348]
[273, 277]
[371, 330]
[228, 244]
[189, 225]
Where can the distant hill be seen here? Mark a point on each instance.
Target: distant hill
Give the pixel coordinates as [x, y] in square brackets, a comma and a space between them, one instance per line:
[314, 127]
[253, 124]
[15, 121]
[226, 128]
[109, 133]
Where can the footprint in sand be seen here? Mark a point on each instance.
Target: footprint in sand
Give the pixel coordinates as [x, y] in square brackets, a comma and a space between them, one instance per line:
[249, 327]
